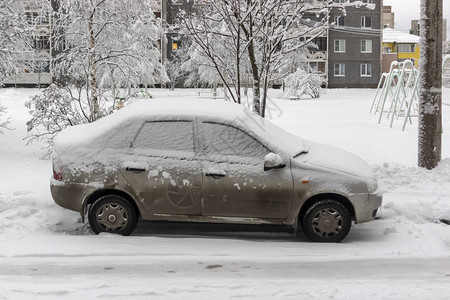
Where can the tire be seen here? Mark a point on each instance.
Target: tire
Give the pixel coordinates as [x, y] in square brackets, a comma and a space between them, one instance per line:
[112, 213]
[326, 221]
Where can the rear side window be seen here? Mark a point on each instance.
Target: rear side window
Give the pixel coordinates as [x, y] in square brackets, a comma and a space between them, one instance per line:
[225, 140]
[120, 137]
[163, 136]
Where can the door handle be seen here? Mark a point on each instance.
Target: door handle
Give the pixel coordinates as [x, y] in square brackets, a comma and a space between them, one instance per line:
[215, 176]
[135, 170]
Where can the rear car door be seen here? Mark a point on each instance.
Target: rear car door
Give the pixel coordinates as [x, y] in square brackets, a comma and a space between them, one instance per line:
[234, 181]
[163, 169]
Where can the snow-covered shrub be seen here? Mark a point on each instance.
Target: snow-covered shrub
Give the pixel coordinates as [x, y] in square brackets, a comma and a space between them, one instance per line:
[3, 123]
[55, 109]
[305, 81]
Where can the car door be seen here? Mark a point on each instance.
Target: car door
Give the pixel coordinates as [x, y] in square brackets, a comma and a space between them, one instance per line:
[163, 169]
[234, 181]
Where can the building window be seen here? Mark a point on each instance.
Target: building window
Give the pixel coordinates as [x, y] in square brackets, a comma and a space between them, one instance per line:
[406, 48]
[314, 65]
[339, 46]
[36, 18]
[176, 45]
[367, 1]
[387, 50]
[339, 21]
[320, 42]
[366, 70]
[339, 70]
[366, 22]
[366, 46]
[41, 43]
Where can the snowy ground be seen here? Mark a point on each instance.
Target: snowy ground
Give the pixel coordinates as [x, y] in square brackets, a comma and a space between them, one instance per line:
[46, 253]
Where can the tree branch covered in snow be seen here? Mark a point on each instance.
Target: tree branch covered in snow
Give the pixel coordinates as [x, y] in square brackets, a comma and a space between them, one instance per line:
[255, 41]
[105, 49]
[105, 46]
[15, 38]
[216, 36]
[52, 111]
[174, 68]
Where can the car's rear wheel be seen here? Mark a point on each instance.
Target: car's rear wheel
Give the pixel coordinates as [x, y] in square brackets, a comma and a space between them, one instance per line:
[112, 213]
[326, 220]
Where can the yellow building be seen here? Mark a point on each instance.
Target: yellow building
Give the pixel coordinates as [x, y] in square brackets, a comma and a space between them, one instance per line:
[400, 46]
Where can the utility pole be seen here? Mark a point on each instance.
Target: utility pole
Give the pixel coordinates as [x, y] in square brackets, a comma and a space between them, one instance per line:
[430, 91]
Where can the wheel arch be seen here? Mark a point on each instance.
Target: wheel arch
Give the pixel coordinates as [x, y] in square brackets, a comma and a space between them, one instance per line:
[100, 193]
[342, 199]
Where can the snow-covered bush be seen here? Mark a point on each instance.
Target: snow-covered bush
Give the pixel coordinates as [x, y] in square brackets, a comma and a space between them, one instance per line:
[305, 81]
[55, 109]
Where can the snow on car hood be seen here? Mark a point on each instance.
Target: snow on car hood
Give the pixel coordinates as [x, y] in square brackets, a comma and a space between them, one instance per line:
[328, 157]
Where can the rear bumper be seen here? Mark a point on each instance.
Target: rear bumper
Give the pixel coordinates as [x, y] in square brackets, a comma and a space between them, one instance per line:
[70, 195]
[366, 206]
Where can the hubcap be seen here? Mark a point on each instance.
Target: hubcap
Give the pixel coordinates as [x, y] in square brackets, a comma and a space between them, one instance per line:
[112, 216]
[327, 222]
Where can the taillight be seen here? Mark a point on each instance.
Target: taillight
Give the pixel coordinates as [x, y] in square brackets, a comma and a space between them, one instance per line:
[57, 173]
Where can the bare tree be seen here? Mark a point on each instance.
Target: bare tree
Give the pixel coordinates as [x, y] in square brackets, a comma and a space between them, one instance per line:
[260, 36]
[430, 92]
[214, 28]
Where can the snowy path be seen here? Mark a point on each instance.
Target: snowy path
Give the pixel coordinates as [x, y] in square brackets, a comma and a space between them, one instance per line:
[46, 253]
[218, 277]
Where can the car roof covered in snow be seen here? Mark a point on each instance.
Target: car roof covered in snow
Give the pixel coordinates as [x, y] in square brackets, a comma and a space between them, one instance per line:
[181, 109]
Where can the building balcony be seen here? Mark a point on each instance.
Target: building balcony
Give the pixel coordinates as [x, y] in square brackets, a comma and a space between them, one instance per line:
[317, 55]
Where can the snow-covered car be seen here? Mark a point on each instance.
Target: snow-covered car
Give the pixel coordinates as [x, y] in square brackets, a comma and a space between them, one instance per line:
[207, 161]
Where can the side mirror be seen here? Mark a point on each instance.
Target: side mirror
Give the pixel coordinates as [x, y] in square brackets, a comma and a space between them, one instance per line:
[273, 161]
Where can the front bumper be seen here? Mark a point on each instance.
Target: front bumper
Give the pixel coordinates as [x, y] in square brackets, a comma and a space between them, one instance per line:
[366, 206]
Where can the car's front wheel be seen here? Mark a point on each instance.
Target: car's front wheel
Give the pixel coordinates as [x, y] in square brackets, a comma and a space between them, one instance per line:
[112, 213]
[326, 220]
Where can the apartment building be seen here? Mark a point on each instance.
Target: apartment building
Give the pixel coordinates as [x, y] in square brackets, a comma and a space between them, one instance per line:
[354, 42]
[388, 17]
[399, 46]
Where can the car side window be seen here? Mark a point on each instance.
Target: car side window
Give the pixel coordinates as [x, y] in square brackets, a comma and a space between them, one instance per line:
[225, 140]
[166, 137]
[121, 138]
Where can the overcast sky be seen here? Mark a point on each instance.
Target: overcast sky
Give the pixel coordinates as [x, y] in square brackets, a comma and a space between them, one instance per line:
[407, 10]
